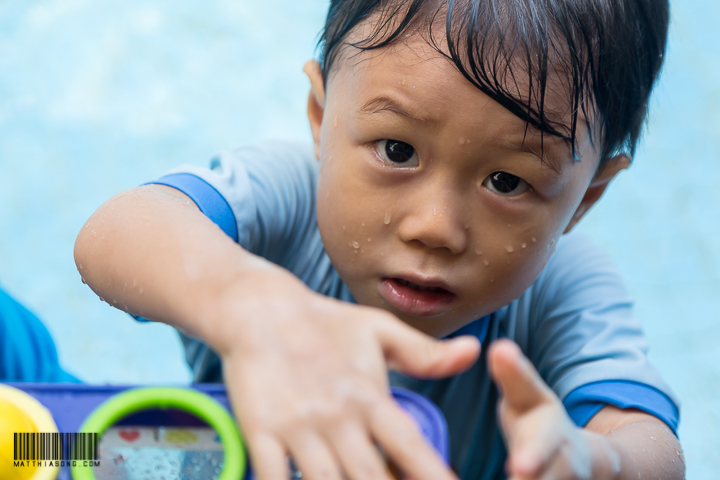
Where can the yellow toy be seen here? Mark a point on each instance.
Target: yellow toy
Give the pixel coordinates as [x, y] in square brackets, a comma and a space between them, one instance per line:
[20, 412]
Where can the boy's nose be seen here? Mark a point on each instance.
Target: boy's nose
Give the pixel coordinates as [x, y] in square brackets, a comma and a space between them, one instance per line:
[435, 225]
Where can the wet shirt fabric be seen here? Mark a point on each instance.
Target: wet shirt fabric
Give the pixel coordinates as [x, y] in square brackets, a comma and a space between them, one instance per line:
[575, 323]
[27, 351]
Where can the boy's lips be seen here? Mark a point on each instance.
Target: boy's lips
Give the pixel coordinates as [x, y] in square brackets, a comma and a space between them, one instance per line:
[415, 296]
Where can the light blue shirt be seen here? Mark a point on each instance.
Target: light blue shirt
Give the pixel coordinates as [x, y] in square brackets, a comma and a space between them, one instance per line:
[575, 323]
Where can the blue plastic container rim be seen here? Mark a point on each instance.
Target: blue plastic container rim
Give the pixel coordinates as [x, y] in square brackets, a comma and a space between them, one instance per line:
[428, 416]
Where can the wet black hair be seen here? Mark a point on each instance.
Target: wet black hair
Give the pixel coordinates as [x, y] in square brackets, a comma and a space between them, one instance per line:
[609, 53]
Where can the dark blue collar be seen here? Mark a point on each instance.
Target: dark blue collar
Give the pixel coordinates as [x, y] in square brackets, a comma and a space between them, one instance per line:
[477, 328]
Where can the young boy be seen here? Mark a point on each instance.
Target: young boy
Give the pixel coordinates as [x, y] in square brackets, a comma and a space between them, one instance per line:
[457, 143]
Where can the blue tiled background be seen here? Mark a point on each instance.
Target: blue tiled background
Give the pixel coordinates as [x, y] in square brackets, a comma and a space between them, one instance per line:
[97, 97]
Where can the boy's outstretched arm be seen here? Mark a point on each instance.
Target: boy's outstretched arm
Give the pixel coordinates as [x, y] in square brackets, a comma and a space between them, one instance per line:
[543, 443]
[306, 374]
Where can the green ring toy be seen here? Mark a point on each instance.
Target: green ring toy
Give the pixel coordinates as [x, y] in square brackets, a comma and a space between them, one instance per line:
[191, 401]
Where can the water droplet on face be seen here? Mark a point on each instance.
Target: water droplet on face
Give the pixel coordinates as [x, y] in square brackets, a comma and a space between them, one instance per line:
[524, 245]
[461, 140]
[83, 281]
[330, 159]
[509, 249]
[336, 120]
[534, 239]
[80, 266]
[94, 233]
[387, 218]
[355, 245]
[467, 141]
[368, 239]
[363, 224]
[478, 252]
[486, 262]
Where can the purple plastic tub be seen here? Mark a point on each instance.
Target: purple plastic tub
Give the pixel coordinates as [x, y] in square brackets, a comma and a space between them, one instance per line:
[70, 404]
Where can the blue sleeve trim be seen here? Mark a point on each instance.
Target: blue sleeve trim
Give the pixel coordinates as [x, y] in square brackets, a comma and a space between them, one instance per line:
[585, 401]
[206, 197]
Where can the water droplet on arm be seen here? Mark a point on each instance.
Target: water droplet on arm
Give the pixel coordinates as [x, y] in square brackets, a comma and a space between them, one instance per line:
[509, 249]
[461, 141]
[478, 252]
[486, 262]
[355, 245]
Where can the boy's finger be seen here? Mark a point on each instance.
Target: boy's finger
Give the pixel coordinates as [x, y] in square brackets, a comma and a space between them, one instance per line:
[518, 380]
[358, 455]
[401, 440]
[267, 457]
[419, 355]
[313, 458]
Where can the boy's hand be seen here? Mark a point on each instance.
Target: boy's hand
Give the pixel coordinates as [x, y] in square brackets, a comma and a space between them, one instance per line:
[543, 443]
[307, 377]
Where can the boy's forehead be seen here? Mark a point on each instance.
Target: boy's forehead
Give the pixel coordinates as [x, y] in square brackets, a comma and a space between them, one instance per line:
[405, 55]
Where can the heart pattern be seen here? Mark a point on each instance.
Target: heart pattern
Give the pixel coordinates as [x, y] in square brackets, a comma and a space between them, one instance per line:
[129, 435]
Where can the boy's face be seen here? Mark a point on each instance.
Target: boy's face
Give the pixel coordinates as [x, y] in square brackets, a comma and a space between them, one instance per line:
[427, 182]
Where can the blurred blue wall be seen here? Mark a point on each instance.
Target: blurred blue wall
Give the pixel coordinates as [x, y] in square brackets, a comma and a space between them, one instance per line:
[97, 97]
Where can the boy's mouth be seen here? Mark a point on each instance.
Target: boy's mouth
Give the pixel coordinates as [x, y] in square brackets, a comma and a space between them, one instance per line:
[424, 299]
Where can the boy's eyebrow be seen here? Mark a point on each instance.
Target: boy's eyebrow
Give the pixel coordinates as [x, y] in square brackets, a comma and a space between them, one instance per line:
[533, 146]
[385, 103]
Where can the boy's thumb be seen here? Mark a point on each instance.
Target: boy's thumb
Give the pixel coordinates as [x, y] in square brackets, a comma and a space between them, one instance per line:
[418, 355]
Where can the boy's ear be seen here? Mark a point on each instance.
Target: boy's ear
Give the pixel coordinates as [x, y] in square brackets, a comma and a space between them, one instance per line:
[602, 179]
[316, 101]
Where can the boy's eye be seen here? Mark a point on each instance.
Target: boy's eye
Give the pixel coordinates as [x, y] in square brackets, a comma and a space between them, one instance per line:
[506, 184]
[397, 153]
